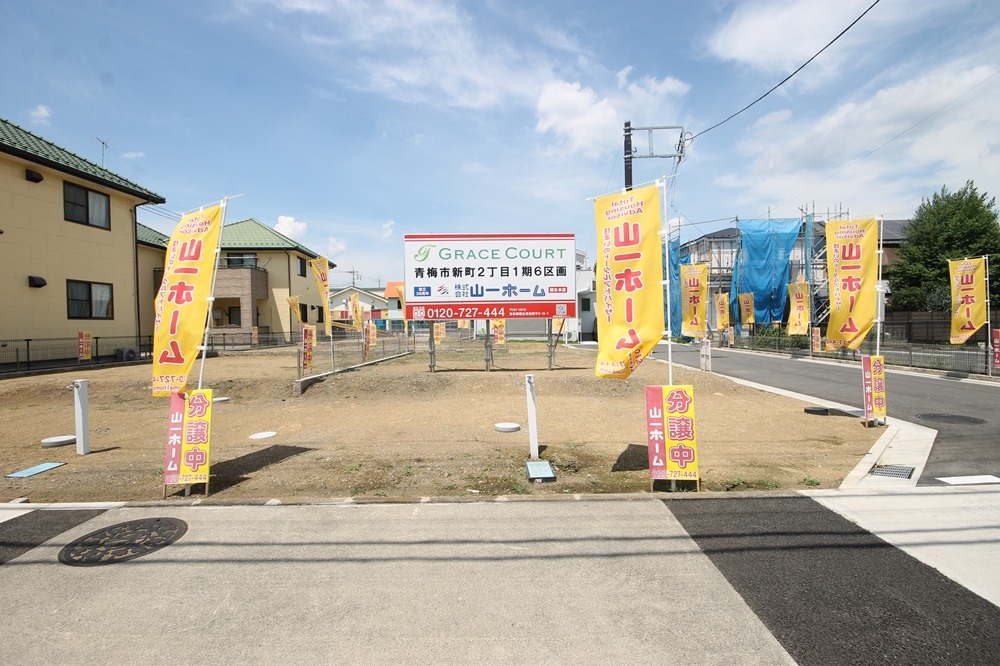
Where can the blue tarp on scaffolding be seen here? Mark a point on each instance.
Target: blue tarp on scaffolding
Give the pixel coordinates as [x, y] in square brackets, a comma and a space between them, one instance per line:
[765, 252]
[672, 318]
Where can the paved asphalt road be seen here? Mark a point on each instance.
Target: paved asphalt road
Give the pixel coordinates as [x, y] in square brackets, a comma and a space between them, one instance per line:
[967, 448]
[762, 579]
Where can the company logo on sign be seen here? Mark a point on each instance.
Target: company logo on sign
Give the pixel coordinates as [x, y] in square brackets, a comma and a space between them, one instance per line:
[423, 252]
[421, 291]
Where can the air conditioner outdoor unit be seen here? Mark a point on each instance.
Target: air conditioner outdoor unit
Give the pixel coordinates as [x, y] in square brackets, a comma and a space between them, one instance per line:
[127, 354]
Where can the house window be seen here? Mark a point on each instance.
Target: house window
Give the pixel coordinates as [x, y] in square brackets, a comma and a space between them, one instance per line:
[240, 259]
[89, 300]
[302, 266]
[304, 313]
[585, 304]
[234, 316]
[85, 206]
[319, 314]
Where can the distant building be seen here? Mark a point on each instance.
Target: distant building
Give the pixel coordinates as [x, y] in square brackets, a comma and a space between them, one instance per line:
[259, 268]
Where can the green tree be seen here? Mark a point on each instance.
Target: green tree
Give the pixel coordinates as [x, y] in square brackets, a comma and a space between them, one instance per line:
[950, 225]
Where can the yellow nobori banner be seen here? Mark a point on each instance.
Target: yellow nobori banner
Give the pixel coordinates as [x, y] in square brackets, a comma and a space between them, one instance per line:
[293, 303]
[968, 297]
[746, 308]
[694, 299]
[320, 269]
[852, 264]
[629, 272]
[181, 306]
[722, 311]
[798, 308]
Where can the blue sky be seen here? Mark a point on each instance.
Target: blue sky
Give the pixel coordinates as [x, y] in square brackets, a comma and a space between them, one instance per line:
[348, 124]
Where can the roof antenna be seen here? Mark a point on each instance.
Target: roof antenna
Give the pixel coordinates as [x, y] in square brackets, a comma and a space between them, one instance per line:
[104, 148]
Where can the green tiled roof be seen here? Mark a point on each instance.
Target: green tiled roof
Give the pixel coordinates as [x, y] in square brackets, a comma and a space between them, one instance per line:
[150, 236]
[21, 143]
[252, 234]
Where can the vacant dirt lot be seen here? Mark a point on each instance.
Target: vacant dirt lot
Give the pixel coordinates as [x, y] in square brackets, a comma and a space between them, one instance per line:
[397, 430]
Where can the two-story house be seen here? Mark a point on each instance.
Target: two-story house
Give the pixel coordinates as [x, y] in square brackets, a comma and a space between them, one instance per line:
[68, 245]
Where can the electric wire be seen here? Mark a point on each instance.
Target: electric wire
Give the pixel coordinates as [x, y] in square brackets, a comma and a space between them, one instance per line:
[886, 143]
[785, 80]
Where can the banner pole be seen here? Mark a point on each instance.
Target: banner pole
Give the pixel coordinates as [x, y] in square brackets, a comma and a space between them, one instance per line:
[665, 232]
[989, 326]
[211, 299]
[880, 306]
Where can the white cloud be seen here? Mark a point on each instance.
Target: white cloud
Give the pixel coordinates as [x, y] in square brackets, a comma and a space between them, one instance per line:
[877, 154]
[777, 36]
[387, 228]
[288, 226]
[591, 124]
[40, 115]
[414, 51]
[134, 155]
[334, 247]
[577, 115]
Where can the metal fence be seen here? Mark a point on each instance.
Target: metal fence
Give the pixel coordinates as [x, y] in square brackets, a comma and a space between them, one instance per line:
[972, 359]
[40, 354]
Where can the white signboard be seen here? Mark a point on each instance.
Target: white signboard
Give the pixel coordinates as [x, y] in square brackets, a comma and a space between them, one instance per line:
[490, 276]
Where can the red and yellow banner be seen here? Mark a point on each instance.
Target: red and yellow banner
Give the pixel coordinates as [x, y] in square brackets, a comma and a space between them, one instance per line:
[873, 383]
[463, 323]
[746, 309]
[670, 432]
[694, 299]
[629, 275]
[196, 448]
[371, 337]
[439, 332]
[722, 311]
[175, 440]
[357, 313]
[798, 308]
[293, 303]
[181, 309]
[816, 339]
[968, 297]
[499, 331]
[84, 345]
[852, 266]
[308, 343]
[321, 271]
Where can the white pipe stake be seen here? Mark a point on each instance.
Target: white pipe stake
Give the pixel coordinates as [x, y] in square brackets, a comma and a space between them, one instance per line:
[529, 387]
[81, 406]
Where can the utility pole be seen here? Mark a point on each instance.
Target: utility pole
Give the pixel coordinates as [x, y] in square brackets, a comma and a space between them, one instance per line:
[630, 153]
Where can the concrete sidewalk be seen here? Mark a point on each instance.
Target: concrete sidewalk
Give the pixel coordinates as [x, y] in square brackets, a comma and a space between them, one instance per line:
[954, 529]
[601, 581]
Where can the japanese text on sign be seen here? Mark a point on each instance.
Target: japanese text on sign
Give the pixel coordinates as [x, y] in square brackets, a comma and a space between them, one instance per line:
[487, 276]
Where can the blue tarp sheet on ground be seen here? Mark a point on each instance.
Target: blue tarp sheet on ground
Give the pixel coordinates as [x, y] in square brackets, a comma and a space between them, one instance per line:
[766, 247]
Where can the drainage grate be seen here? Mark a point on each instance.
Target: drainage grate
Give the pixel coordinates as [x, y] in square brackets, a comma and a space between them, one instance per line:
[122, 542]
[895, 471]
[956, 419]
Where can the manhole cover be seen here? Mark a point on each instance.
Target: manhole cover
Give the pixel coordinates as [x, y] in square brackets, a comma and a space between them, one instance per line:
[895, 471]
[956, 419]
[122, 542]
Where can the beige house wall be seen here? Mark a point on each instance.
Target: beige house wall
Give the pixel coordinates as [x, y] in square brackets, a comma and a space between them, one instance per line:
[36, 240]
[284, 281]
[150, 259]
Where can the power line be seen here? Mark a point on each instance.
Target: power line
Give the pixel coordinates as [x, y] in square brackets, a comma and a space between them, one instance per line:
[886, 143]
[783, 81]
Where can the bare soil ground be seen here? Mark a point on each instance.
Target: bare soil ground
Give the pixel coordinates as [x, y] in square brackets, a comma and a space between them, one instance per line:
[397, 430]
